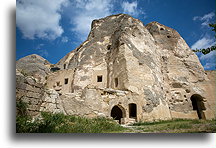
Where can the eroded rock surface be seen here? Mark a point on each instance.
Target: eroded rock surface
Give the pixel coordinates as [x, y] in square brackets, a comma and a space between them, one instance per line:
[33, 65]
[29, 91]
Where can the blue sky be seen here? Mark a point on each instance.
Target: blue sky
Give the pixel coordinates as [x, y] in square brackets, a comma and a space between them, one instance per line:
[52, 28]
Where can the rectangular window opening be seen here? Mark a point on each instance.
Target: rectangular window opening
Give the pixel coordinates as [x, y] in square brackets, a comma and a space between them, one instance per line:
[66, 81]
[57, 83]
[116, 82]
[99, 78]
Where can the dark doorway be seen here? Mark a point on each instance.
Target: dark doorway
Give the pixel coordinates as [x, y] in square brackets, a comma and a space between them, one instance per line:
[132, 110]
[117, 113]
[198, 105]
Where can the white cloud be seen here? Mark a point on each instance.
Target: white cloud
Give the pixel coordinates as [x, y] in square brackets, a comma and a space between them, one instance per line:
[39, 46]
[207, 40]
[39, 18]
[210, 66]
[208, 60]
[43, 53]
[207, 16]
[64, 39]
[205, 19]
[130, 8]
[85, 11]
[203, 43]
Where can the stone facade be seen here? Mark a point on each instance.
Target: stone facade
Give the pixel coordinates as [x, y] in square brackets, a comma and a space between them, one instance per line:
[30, 91]
[130, 72]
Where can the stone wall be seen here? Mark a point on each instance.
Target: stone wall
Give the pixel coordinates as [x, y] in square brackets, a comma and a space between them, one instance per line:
[210, 88]
[37, 98]
[61, 81]
[94, 102]
[51, 102]
[30, 91]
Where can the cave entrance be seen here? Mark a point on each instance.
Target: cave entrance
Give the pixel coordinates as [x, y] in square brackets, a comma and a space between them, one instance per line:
[132, 110]
[117, 113]
[198, 105]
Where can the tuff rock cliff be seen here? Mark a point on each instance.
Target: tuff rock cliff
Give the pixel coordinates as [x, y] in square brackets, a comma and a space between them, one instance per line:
[128, 71]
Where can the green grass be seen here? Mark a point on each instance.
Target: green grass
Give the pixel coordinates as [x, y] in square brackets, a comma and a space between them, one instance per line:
[158, 122]
[176, 126]
[59, 123]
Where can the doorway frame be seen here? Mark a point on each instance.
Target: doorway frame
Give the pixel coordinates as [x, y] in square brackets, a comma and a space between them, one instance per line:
[198, 105]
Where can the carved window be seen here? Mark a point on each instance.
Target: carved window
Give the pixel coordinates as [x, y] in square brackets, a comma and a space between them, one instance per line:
[58, 83]
[116, 82]
[64, 66]
[99, 78]
[66, 81]
[108, 47]
[161, 29]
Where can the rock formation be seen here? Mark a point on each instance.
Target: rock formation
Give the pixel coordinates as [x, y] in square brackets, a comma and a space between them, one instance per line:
[33, 65]
[127, 71]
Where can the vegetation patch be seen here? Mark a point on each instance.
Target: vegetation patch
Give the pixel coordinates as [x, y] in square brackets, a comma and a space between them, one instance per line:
[176, 126]
[60, 123]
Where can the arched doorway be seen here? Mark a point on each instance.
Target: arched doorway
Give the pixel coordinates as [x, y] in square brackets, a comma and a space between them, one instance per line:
[117, 113]
[198, 105]
[132, 110]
